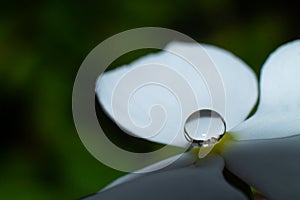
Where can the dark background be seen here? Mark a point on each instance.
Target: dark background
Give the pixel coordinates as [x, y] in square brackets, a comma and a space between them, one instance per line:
[42, 45]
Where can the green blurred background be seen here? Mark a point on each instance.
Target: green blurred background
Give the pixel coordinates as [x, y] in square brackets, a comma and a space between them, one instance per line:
[42, 44]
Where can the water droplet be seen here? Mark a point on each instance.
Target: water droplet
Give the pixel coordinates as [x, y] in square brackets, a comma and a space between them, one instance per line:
[204, 128]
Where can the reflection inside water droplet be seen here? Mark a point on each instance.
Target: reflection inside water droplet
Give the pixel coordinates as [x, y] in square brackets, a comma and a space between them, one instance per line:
[204, 128]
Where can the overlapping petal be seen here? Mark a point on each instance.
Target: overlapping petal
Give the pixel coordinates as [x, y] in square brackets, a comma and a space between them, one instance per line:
[278, 113]
[181, 161]
[235, 76]
[201, 180]
[266, 149]
[267, 155]
[270, 166]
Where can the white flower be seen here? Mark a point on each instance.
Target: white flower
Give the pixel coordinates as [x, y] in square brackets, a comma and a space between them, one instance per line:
[265, 151]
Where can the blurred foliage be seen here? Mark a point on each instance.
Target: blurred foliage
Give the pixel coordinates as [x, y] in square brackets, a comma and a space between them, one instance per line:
[42, 44]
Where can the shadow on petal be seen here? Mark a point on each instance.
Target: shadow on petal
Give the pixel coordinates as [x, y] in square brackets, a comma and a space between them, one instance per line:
[203, 180]
[270, 166]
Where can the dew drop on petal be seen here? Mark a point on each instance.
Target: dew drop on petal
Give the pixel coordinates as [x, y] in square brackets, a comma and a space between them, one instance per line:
[204, 128]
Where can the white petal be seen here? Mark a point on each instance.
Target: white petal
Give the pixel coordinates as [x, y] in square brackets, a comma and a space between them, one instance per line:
[181, 160]
[270, 166]
[278, 114]
[203, 179]
[135, 108]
